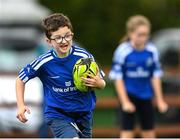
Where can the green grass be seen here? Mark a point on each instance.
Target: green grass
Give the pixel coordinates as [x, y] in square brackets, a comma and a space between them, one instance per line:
[104, 118]
[108, 91]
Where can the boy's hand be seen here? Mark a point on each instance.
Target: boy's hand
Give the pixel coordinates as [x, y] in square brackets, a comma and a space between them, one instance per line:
[21, 112]
[94, 81]
[162, 106]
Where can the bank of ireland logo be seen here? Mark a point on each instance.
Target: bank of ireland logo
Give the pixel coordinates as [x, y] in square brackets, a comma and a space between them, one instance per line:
[68, 83]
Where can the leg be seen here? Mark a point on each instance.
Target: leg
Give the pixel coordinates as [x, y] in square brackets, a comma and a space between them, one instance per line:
[146, 117]
[126, 134]
[148, 134]
[128, 122]
[86, 128]
[43, 130]
[62, 128]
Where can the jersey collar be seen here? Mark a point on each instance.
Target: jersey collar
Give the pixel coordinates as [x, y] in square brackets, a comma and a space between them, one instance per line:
[55, 53]
[63, 58]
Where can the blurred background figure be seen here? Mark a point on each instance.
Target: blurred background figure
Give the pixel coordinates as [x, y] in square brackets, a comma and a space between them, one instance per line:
[20, 42]
[168, 42]
[136, 72]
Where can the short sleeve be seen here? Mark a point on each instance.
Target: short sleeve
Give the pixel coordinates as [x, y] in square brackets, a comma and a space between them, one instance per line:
[157, 71]
[116, 68]
[28, 72]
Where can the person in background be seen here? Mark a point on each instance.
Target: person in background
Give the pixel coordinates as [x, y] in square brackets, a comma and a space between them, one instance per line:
[137, 75]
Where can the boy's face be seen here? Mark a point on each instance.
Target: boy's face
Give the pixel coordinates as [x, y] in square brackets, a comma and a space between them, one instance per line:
[61, 40]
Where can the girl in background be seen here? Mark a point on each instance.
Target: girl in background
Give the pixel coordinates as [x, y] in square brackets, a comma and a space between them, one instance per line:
[136, 73]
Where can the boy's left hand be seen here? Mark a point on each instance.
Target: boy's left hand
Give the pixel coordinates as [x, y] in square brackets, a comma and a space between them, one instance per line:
[94, 81]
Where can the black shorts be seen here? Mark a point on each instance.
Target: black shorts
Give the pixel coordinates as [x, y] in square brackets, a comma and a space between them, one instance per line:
[144, 113]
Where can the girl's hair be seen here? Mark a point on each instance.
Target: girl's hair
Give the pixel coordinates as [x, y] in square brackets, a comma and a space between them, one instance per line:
[133, 22]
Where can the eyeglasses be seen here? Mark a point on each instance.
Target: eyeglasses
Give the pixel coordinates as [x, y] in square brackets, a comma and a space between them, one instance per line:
[59, 39]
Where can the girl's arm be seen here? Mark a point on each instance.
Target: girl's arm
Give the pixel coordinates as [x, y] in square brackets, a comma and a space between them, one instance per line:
[123, 97]
[156, 84]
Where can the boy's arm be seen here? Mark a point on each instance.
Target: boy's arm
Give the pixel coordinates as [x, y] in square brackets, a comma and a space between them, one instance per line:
[20, 87]
[102, 84]
[156, 83]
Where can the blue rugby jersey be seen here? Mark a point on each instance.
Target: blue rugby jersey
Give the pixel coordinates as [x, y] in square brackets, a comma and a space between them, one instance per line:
[136, 68]
[56, 76]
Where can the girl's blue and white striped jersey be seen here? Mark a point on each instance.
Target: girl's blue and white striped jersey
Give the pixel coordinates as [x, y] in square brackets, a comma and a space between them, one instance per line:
[56, 76]
[136, 68]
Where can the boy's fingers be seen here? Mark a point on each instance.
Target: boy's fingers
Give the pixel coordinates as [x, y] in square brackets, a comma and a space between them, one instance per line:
[91, 76]
[23, 117]
[19, 117]
[28, 110]
[21, 114]
[24, 120]
[94, 77]
[98, 73]
[89, 85]
[83, 78]
[86, 79]
[89, 82]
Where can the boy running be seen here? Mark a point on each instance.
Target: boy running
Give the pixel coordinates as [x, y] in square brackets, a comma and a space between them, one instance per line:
[68, 111]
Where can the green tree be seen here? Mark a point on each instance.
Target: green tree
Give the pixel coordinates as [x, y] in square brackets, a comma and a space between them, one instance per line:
[99, 24]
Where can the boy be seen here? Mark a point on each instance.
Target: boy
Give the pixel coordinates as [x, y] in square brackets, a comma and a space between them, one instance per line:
[67, 111]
